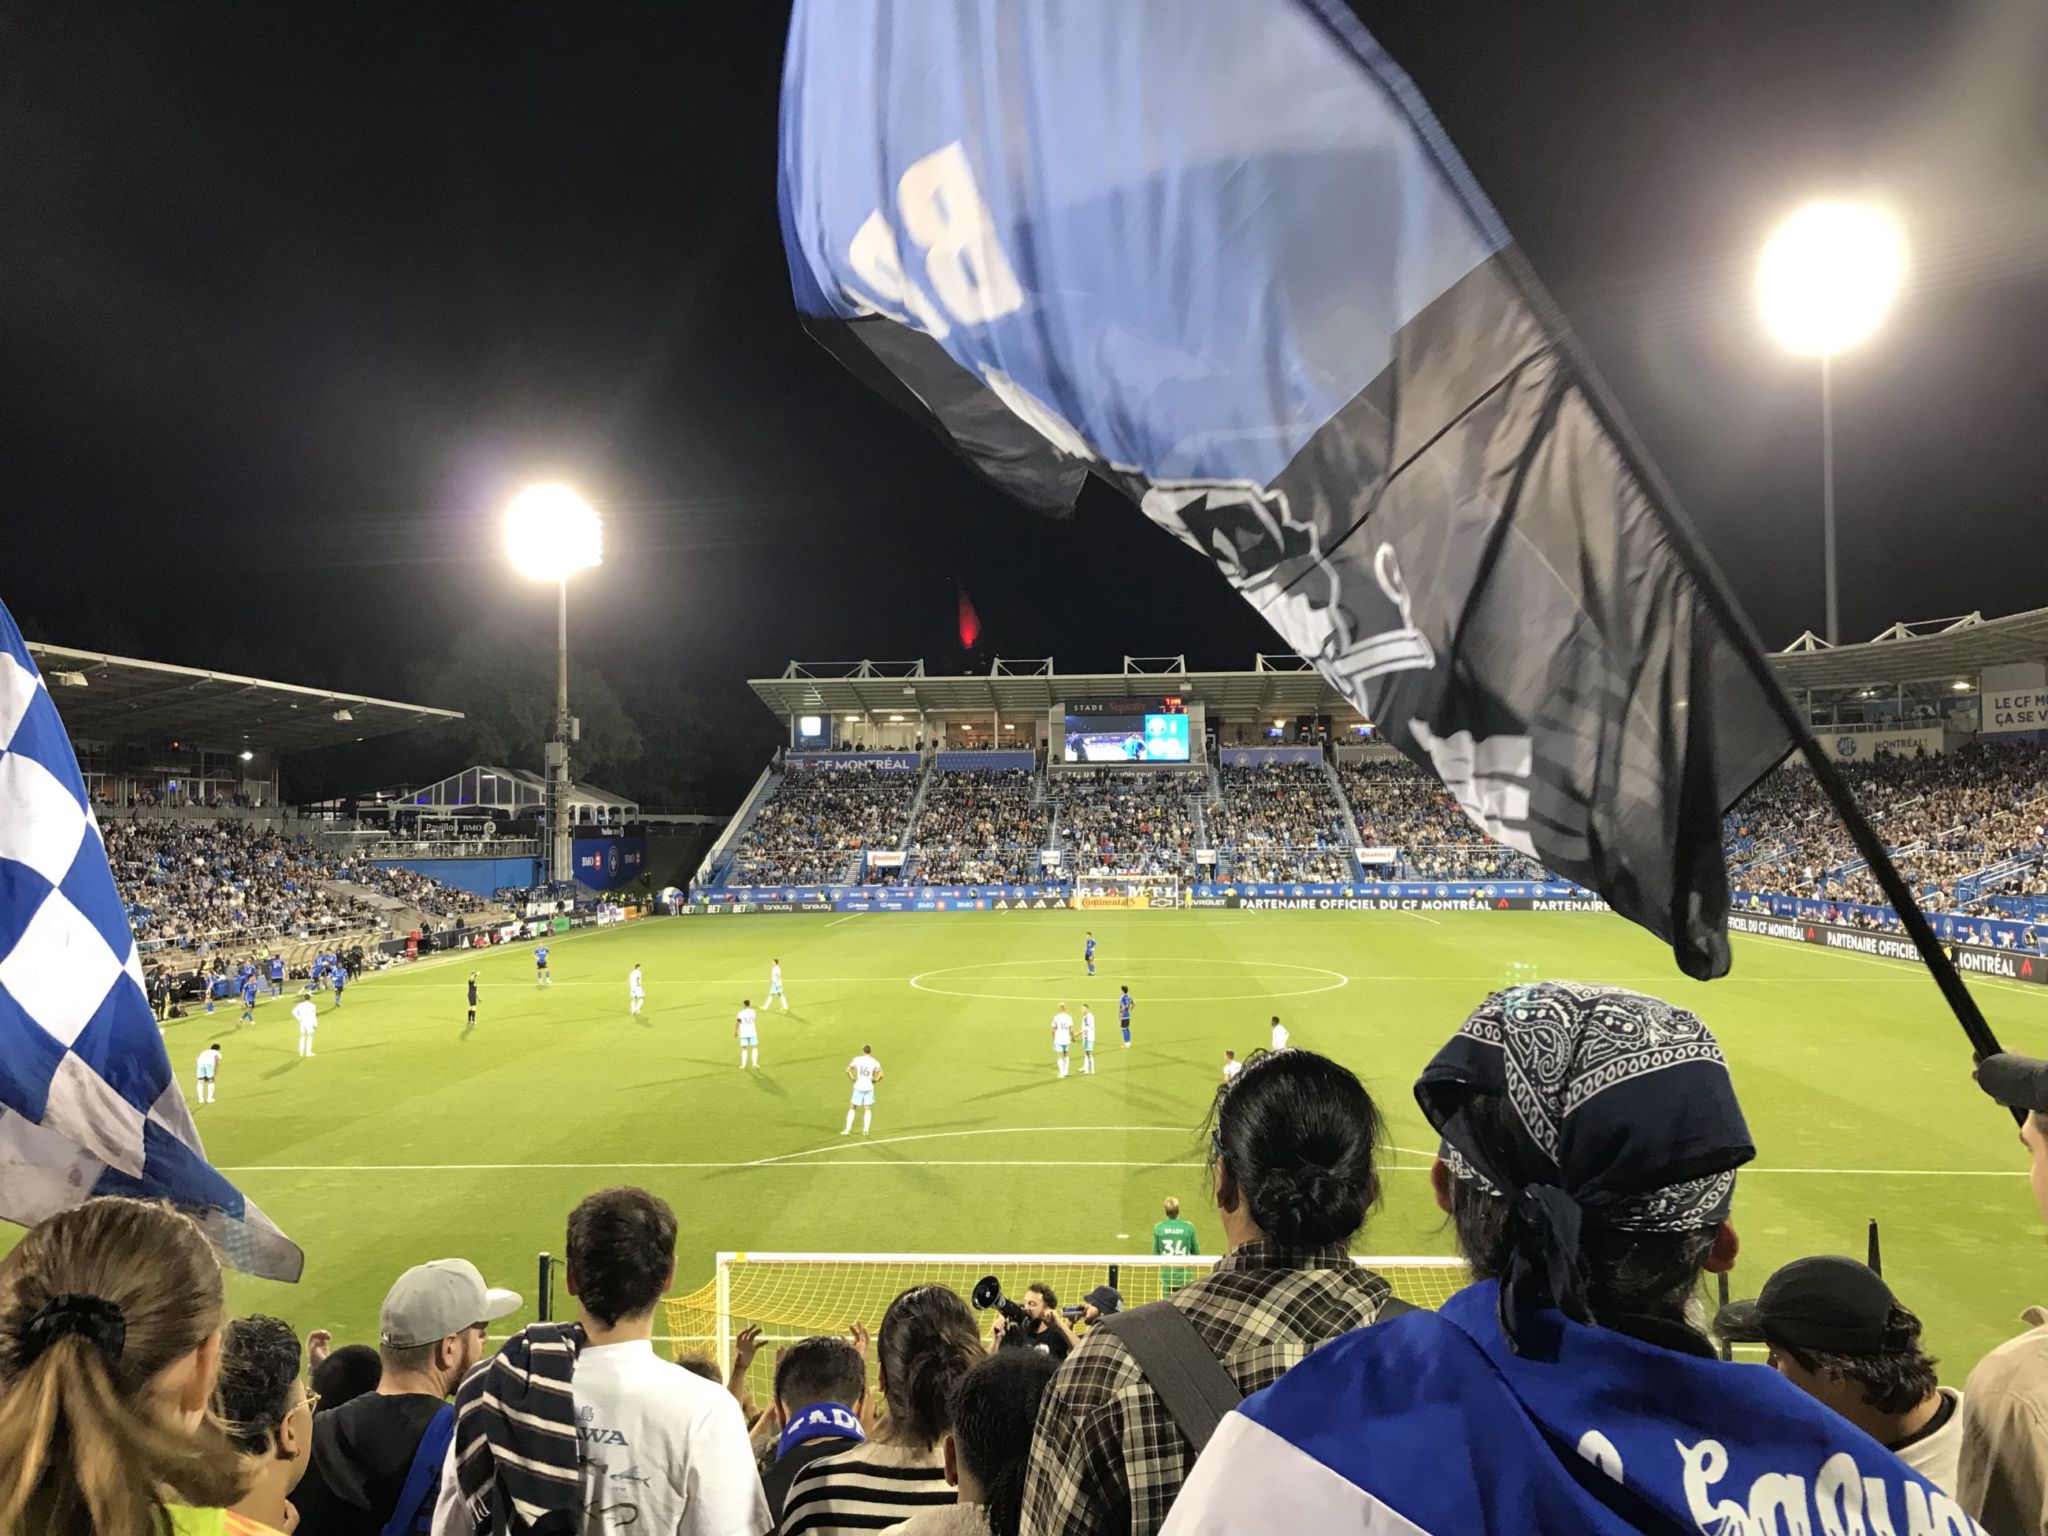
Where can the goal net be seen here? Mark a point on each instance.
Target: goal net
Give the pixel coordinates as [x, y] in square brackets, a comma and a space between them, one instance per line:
[1108, 890]
[790, 1296]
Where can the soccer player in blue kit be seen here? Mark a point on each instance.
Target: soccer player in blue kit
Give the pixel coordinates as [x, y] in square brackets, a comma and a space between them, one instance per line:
[1123, 1015]
[1088, 954]
[541, 978]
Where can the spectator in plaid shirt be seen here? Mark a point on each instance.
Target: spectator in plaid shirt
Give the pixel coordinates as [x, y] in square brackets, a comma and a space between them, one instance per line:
[1292, 1158]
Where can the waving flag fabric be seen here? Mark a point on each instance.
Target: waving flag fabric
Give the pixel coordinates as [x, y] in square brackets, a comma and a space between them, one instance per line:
[1220, 255]
[88, 1102]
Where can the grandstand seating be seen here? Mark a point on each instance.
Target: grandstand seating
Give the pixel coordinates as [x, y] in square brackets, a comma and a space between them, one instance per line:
[821, 816]
[980, 827]
[1282, 821]
[1143, 822]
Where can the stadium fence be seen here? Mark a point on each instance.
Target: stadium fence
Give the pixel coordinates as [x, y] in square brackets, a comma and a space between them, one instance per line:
[791, 1296]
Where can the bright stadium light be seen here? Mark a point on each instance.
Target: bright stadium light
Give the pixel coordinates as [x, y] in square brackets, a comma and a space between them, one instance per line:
[1829, 275]
[551, 533]
[1827, 279]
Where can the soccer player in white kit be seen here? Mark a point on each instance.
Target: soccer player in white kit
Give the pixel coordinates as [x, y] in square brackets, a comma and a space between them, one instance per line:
[750, 1036]
[309, 1020]
[209, 1069]
[1062, 1037]
[775, 986]
[636, 992]
[865, 1072]
[1087, 1038]
[1231, 1065]
[1279, 1034]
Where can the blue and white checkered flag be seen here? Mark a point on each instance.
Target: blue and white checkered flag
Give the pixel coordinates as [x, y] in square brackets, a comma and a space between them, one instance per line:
[88, 1102]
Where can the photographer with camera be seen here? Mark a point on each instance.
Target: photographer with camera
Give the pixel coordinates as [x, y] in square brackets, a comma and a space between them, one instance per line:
[1037, 1324]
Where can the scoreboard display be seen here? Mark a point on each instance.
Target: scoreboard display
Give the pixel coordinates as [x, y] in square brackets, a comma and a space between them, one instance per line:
[1151, 730]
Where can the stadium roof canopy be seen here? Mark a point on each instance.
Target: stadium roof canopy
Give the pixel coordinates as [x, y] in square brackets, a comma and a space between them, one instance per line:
[1945, 650]
[114, 700]
[1941, 650]
[511, 790]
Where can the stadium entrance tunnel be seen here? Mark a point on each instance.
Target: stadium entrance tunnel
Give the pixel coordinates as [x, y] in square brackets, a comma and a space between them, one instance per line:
[1153, 979]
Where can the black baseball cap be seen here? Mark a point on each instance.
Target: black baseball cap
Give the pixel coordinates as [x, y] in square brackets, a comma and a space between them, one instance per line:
[2018, 1082]
[1828, 1304]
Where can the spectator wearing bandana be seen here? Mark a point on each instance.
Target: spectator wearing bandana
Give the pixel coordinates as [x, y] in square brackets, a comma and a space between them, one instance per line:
[1590, 1141]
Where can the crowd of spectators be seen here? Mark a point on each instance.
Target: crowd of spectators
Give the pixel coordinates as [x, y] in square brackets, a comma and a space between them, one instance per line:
[1588, 1163]
[1281, 821]
[203, 885]
[820, 817]
[1142, 822]
[980, 827]
[1943, 817]
[1399, 806]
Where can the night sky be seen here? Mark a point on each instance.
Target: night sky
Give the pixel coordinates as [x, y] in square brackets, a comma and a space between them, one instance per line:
[296, 294]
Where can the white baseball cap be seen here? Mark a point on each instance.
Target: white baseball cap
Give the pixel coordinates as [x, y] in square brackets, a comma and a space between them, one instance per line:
[432, 1300]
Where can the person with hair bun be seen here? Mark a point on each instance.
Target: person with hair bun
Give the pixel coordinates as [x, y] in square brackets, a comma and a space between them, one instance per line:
[1294, 1142]
[927, 1344]
[110, 1341]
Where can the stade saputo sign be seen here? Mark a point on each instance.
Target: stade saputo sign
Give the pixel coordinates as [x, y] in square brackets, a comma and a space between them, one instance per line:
[2013, 965]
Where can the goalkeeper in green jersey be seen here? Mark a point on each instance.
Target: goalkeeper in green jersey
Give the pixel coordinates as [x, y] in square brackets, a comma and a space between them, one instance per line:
[1176, 1239]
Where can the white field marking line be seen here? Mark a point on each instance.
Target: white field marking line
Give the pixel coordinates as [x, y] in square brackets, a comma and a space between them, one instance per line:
[1917, 973]
[987, 1162]
[1341, 980]
[846, 919]
[1434, 922]
[998, 1130]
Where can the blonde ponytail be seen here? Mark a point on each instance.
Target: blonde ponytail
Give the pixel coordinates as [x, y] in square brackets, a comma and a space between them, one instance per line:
[94, 1303]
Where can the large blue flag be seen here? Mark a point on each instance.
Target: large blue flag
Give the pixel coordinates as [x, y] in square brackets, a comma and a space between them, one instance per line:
[88, 1102]
[1220, 255]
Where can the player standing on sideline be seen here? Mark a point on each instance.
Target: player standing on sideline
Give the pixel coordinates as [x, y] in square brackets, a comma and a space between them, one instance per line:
[340, 981]
[743, 1025]
[865, 1072]
[307, 1012]
[541, 978]
[472, 1004]
[775, 986]
[636, 993]
[276, 975]
[248, 999]
[1279, 1034]
[1088, 953]
[1087, 1038]
[1175, 1239]
[209, 1069]
[1062, 1037]
[1231, 1065]
[1123, 1015]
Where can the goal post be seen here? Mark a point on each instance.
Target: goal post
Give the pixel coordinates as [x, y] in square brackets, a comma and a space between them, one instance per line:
[1101, 889]
[790, 1296]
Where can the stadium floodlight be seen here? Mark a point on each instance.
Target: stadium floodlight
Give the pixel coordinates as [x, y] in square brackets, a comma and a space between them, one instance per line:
[247, 755]
[1826, 281]
[551, 533]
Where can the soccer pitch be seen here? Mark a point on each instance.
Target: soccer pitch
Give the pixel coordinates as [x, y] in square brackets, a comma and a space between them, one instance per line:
[402, 1140]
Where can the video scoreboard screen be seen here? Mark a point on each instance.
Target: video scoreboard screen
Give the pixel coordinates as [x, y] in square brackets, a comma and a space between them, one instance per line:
[1127, 731]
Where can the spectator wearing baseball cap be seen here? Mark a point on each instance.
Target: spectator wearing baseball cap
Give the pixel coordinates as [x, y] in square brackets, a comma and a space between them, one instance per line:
[1835, 1330]
[1103, 1301]
[429, 1333]
[2002, 1471]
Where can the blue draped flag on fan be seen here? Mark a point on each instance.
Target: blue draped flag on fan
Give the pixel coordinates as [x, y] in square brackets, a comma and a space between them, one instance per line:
[88, 1103]
[1221, 256]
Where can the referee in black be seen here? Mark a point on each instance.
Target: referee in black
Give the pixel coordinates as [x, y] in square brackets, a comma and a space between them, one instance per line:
[472, 1004]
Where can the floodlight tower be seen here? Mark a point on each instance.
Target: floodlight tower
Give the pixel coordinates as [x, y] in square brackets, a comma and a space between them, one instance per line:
[550, 534]
[1828, 277]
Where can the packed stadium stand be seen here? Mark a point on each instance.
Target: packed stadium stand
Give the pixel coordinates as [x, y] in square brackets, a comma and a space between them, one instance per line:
[823, 816]
[1282, 821]
[1140, 821]
[980, 826]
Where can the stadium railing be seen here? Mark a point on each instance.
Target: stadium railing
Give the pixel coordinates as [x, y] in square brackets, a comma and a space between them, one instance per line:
[790, 1296]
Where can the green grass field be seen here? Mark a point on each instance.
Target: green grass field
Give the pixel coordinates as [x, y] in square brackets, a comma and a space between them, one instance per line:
[403, 1141]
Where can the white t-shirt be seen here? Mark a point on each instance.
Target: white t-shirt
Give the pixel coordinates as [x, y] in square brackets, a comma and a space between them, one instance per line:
[633, 980]
[1062, 1028]
[746, 1018]
[663, 1452]
[1088, 1026]
[864, 1070]
[209, 1062]
[1279, 1037]
[775, 977]
[1231, 1069]
[1934, 1456]
[307, 1015]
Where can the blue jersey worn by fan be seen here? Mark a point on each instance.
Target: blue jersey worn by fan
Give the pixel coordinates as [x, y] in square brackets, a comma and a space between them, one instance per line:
[1566, 1110]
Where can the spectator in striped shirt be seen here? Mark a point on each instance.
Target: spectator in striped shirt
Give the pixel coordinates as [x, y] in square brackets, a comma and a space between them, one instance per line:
[1294, 1138]
[928, 1342]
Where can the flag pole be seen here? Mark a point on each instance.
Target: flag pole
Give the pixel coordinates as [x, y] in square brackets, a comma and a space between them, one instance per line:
[1749, 648]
